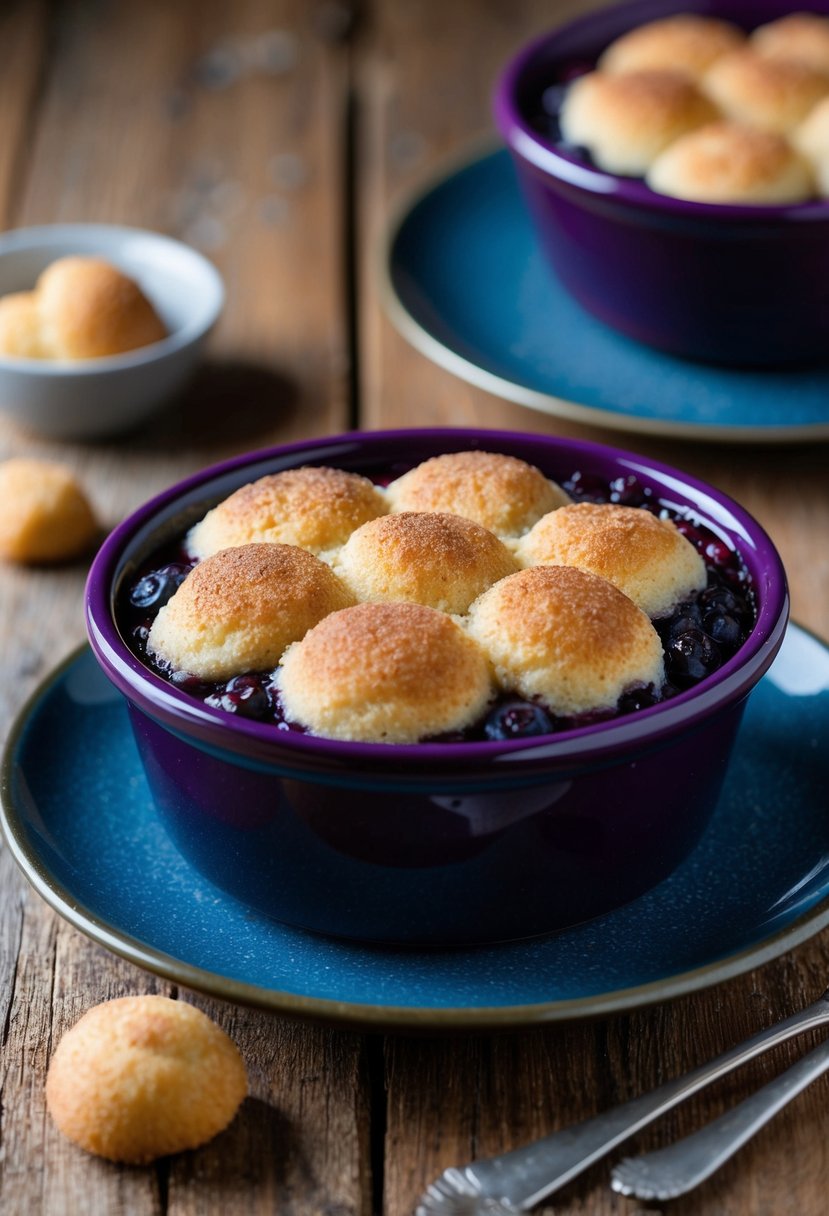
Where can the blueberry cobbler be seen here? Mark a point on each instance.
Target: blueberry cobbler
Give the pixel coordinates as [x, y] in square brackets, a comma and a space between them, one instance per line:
[699, 108]
[467, 598]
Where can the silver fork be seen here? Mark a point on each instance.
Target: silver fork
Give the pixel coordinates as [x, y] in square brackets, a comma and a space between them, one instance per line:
[681, 1166]
[516, 1181]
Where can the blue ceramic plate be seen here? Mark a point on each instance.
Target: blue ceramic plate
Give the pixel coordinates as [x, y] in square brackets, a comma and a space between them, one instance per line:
[468, 286]
[80, 822]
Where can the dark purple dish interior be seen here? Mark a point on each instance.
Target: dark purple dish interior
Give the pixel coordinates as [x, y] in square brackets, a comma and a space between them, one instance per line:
[741, 285]
[440, 842]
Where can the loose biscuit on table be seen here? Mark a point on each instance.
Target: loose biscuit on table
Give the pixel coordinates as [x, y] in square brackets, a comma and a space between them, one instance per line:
[45, 515]
[142, 1077]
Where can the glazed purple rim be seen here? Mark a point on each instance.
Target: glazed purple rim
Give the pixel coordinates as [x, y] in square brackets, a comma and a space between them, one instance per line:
[550, 161]
[600, 742]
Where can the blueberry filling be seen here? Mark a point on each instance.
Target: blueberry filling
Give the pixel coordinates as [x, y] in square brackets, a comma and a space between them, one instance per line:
[700, 635]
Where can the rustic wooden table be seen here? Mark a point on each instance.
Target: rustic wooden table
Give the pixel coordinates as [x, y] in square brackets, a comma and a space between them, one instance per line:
[277, 135]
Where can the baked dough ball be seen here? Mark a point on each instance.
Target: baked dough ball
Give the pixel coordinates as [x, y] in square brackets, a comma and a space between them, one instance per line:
[729, 162]
[315, 508]
[238, 610]
[685, 43]
[811, 138]
[625, 121]
[444, 561]
[773, 94]
[799, 36]
[80, 308]
[143, 1077]
[44, 514]
[500, 492]
[385, 673]
[645, 557]
[20, 334]
[567, 638]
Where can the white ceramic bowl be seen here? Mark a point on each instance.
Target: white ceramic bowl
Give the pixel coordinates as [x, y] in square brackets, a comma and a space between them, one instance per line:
[91, 398]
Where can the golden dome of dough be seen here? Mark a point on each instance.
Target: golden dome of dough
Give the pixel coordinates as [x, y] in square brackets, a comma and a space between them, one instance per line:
[499, 492]
[238, 610]
[384, 673]
[143, 1077]
[444, 561]
[314, 507]
[567, 638]
[645, 557]
[686, 42]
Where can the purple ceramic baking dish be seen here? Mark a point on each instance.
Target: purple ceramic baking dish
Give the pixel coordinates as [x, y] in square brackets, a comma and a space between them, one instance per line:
[436, 842]
[740, 285]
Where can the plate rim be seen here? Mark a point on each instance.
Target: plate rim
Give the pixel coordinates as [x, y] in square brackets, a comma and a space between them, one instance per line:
[358, 1015]
[420, 337]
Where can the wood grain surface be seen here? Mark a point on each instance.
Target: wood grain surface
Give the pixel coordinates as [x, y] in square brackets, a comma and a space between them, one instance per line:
[278, 137]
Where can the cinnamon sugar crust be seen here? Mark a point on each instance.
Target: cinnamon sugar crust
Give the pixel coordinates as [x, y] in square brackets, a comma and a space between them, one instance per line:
[239, 609]
[500, 492]
[645, 557]
[686, 43]
[567, 638]
[626, 120]
[314, 507]
[803, 37]
[142, 1077]
[730, 162]
[773, 94]
[430, 558]
[385, 673]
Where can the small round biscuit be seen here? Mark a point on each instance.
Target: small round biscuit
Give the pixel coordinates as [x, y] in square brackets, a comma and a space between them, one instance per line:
[800, 36]
[385, 673]
[502, 493]
[567, 638]
[238, 610]
[89, 308]
[625, 121]
[811, 139]
[645, 557]
[20, 334]
[45, 515]
[773, 94]
[686, 43]
[142, 1077]
[423, 557]
[316, 508]
[729, 162]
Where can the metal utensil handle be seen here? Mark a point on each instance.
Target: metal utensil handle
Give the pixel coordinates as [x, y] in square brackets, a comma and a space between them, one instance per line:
[526, 1175]
[672, 1171]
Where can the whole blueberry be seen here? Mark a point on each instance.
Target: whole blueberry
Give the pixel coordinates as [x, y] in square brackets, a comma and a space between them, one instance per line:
[628, 491]
[244, 695]
[586, 486]
[159, 586]
[691, 657]
[637, 698]
[724, 629]
[517, 720]
[719, 601]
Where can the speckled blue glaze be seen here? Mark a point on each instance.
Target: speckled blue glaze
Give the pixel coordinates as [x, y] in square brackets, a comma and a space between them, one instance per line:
[438, 843]
[81, 821]
[731, 284]
[471, 288]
